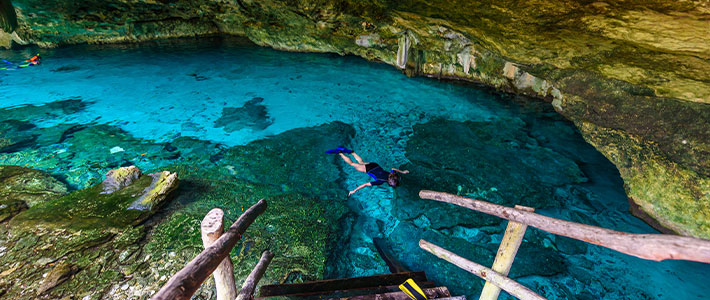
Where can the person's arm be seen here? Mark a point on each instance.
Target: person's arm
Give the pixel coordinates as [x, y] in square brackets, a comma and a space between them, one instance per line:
[400, 171]
[361, 186]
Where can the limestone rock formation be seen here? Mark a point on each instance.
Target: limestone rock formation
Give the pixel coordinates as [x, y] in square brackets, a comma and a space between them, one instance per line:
[633, 78]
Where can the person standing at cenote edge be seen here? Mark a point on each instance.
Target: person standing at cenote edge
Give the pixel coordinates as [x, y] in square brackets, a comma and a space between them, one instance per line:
[373, 169]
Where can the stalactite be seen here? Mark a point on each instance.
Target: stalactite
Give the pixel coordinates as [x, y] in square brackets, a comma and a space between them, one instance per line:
[403, 50]
[467, 58]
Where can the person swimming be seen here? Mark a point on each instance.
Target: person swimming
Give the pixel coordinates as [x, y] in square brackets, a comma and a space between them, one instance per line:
[375, 171]
[33, 61]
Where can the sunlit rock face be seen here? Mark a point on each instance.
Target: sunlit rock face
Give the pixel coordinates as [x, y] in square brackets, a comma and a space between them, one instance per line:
[635, 79]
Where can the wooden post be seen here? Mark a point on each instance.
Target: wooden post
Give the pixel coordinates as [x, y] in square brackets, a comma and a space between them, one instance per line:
[506, 254]
[247, 291]
[185, 282]
[647, 246]
[511, 286]
[212, 227]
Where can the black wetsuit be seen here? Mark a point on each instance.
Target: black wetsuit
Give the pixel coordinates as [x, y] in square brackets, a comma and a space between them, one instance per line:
[379, 174]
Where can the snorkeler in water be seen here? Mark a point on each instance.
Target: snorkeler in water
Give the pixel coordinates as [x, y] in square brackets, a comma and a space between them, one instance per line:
[373, 169]
[33, 61]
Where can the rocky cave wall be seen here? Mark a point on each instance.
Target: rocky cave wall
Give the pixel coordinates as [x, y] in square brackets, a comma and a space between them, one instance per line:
[633, 76]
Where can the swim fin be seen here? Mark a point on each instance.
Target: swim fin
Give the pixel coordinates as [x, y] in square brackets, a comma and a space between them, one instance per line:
[339, 150]
[412, 290]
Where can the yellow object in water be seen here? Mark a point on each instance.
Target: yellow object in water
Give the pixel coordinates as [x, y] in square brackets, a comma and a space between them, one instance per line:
[412, 290]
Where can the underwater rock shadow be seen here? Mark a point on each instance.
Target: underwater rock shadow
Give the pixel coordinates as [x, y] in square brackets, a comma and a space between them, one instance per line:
[50, 110]
[251, 115]
[66, 68]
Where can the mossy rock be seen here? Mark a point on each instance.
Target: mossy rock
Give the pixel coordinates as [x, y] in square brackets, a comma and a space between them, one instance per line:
[21, 188]
[495, 161]
[294, 160]
[90, 208]
[299, 230]
[78, 240]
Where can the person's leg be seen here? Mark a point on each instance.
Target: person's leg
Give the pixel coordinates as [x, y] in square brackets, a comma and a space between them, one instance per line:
[357, 166]
[358, 158]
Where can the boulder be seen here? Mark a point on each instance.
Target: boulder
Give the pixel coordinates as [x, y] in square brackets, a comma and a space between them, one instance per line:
[163, 184]
[93, 207]
[119, 178]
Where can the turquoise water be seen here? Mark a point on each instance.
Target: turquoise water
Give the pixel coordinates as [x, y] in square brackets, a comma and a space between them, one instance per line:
[453, 138]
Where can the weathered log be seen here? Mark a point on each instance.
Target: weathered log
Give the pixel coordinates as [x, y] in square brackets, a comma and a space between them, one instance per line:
[247, 291]
[511, 286]
[647, 246]
[185, 282]
[212, 227]
[507, 250]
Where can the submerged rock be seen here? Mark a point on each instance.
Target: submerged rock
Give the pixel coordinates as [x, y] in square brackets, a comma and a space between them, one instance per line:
[15, 135]
[496, 161]
[251, 115]
[21, 188]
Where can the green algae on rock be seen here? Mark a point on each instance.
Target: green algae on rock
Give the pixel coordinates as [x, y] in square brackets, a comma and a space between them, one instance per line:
[75, 239]
[21, 188]
[653, 176]
[29, 185]
[300, 226]
[92, 208]
[163, 183]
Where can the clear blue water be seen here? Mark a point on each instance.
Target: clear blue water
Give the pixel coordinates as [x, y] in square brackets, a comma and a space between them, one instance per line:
[159, 92]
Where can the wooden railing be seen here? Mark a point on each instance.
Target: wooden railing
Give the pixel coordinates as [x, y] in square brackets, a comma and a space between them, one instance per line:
[647, 246]
[215, 258]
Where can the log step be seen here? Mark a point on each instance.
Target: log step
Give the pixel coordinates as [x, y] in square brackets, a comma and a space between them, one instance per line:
[453, 298]
[346, 293]
[339, 285]
[431, 293]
